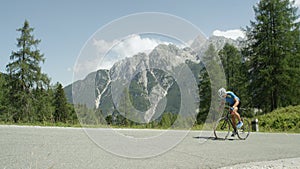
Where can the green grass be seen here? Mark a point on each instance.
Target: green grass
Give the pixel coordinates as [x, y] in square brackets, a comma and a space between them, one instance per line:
[41, 124]
[285, 119]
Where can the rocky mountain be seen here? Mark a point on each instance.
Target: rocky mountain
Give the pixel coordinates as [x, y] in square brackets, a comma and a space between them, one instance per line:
[144, 84]
[200, 44]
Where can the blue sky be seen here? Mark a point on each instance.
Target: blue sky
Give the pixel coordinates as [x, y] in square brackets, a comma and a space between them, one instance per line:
[64, 26]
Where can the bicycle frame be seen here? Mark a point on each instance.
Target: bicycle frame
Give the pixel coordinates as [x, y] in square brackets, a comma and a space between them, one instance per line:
[227, 118]
[224, 123]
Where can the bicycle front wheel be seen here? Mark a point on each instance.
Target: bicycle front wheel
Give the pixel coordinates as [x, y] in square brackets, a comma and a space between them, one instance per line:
[244, 131]
[222, 128]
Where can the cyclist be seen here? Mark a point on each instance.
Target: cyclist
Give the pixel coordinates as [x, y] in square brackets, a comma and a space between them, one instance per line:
[235, 104]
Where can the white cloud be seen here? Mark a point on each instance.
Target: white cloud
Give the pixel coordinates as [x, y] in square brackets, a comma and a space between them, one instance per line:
[135, 44]
[233, 34]
[102, 48]
[111, 52]
[102, 54]
[90, 57]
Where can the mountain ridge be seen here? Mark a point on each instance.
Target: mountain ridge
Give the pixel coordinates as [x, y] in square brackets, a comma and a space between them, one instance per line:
[147, 76]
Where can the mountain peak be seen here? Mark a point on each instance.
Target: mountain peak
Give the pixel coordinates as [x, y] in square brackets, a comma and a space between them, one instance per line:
[149, 73]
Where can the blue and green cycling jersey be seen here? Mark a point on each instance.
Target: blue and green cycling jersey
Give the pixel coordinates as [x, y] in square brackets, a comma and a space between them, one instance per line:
[230, 98]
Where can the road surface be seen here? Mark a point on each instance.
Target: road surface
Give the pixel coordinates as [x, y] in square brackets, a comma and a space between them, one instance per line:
[63, 148]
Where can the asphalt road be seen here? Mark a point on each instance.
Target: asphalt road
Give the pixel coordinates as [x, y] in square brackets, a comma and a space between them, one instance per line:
[46, 147]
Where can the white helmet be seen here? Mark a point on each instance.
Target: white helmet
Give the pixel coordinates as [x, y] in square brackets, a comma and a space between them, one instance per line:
[222, 92]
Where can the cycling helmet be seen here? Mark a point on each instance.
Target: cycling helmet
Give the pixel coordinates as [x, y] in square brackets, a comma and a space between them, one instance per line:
[222, 92]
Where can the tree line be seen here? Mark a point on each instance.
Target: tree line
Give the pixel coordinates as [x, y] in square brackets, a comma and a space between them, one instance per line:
[264, 73]
[26, 95]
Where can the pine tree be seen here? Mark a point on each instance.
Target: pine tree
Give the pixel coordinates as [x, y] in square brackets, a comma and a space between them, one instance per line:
[43, 104]
[2, 96]
[231, 61]
[25, 75]
[211, 79]
[205, 96]
[273, 50]
[236, 72]
[61, 112]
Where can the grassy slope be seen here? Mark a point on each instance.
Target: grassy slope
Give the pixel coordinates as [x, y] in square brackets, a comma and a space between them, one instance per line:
[281, 120]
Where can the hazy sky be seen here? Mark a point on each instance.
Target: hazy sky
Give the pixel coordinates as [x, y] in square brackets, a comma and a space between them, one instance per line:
[64, 26]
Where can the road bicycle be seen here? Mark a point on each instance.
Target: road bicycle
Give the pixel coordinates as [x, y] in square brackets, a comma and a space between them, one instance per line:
[223, 126]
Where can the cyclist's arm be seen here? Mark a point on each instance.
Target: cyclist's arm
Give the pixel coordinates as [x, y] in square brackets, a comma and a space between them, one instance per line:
[236, 103]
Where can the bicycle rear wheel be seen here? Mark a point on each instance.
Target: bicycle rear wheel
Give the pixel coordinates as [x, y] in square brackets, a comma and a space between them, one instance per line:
[244, 131]
[222, 128]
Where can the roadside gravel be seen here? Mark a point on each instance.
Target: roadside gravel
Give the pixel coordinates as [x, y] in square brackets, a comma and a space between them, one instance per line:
[290, 163]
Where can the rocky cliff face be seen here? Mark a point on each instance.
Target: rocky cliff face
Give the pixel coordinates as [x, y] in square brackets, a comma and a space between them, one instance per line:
[147, 81]
[144, 84]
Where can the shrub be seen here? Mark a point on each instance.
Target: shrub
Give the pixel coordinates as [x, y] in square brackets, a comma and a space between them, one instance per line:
[281, 120]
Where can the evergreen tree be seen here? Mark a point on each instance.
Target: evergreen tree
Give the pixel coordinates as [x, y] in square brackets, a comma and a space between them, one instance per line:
[1, 87]
[232, 62]
[273, 50]
[43, 104]
[61, 112]
[205, 95]
[214, 69]
[236, 72]
[72, 118]
[211, 79]
[2, 96]
[25, 75]
[167, 120]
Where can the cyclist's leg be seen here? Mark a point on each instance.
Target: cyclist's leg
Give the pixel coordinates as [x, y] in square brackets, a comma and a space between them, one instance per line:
[235, 114]
[240, 124]
[238, 111]
[233, 119]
